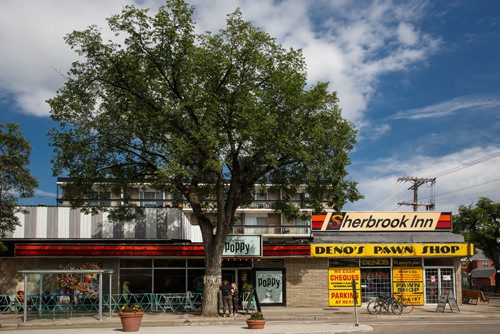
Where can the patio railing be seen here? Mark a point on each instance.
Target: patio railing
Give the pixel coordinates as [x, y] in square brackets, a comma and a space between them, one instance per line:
[52, 304]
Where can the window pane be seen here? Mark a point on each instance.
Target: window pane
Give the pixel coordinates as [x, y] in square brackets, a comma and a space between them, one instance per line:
[170, 263]
[135, 263]
[196, 263]
[170, 280]
[139, 280]
[195, 280]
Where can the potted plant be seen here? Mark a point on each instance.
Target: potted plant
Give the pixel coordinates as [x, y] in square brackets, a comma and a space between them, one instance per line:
[256, 320]
[131, 316]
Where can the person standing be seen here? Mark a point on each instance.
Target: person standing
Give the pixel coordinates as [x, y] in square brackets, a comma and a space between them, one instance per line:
[235, 298]
[126, 291]
[227, 301]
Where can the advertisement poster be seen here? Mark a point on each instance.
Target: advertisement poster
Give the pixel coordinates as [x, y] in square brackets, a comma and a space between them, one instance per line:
[269, 286]
[340, 286]
[407, 282]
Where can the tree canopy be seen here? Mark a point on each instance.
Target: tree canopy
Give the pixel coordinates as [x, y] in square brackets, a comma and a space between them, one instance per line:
[481, 226]
[16, 180]
[208, 115]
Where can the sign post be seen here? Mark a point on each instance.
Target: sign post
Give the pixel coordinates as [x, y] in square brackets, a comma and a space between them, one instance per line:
[355, 297]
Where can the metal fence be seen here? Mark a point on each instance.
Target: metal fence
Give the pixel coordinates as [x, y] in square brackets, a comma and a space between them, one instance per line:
[56, 305]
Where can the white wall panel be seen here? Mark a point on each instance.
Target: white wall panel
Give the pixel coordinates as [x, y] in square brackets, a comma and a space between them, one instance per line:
[107, 226]
[63, 223]
[85, 225]
[41, 222]
[19, 231]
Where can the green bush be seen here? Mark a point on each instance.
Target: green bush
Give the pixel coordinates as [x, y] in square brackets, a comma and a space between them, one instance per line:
[256, 316]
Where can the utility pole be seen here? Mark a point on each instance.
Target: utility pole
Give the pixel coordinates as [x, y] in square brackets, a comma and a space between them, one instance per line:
[417, 182]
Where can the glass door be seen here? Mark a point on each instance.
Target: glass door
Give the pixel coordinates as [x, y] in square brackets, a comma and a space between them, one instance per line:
[438, 281]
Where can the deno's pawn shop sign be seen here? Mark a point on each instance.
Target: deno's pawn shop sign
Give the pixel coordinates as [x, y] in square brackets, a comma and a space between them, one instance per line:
[243, 246]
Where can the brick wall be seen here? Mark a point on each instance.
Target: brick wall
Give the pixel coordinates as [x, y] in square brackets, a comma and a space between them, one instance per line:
[306, 282]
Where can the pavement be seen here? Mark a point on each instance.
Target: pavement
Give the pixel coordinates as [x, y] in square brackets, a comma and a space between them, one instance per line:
[279, 320]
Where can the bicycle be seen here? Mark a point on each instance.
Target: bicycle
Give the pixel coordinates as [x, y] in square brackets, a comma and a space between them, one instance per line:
[384, 304]
[406, 305]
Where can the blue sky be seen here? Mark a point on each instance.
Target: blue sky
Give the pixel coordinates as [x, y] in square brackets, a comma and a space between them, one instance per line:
[419, 79]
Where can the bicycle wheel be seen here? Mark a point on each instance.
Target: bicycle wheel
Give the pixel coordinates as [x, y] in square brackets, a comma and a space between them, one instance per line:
[407, 307]
[374, 307]
[397, 308]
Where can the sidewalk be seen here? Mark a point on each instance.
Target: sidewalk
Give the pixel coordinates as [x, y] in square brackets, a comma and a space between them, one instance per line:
[326, 320]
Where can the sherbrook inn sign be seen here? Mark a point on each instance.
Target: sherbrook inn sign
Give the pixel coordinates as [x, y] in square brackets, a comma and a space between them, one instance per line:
[381, 221]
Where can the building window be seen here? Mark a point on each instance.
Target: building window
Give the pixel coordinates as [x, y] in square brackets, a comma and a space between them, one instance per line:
[100, 198]
[151, 199]
[261, 200]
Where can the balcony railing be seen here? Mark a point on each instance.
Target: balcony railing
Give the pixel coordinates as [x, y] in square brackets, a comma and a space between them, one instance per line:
[169, 203]
[271, 229]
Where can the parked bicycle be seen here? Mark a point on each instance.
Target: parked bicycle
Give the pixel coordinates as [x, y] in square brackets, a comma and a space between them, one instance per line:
[407, 306]
[385, 304]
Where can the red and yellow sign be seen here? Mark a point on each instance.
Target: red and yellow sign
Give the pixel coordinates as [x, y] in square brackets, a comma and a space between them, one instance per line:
[381, 221]
[392, 250]
[340, 286]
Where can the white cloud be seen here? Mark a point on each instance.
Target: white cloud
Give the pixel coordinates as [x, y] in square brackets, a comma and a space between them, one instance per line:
[32, 48]
[446, 108]
[351, 47]
[462, 185]
[407, 34]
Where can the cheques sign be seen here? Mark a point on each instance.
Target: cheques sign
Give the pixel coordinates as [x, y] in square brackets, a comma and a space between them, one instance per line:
[381, 221]
[243, 246]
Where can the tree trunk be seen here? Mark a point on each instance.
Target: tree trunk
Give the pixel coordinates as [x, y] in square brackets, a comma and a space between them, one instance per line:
[211, 280]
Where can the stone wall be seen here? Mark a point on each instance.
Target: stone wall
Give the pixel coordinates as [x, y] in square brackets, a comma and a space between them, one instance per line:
[306, 282]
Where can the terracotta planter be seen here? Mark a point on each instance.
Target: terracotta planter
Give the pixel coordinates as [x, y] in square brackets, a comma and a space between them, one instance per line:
[131, 321]
[255, 324]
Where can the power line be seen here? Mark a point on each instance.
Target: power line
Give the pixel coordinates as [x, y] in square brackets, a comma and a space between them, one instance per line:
[470, 194]
[465, 165]
[391, 197]
[469, 187]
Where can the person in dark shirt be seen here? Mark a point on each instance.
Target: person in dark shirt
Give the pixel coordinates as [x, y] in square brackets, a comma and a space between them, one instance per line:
[227, 299]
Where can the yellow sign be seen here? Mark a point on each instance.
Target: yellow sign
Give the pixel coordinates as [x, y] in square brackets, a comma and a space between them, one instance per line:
[408, 282]
[343, 298]
[409, 298]
[393, 250]
[408, 287]
[407, 274]
[341, 278]
[340, 286]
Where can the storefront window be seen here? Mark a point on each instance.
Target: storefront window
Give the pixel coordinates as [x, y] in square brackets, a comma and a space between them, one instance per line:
[374, 282]
[139, 280]
[135, 263]
[170, 263]
[343, 262]
[196, 263]
[170, 280]
[195, 280]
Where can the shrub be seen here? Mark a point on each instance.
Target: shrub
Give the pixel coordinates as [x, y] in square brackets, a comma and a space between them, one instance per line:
[256, 316]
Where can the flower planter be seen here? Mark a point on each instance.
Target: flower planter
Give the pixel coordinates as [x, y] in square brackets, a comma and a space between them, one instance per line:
[255, 324]
[131, 321]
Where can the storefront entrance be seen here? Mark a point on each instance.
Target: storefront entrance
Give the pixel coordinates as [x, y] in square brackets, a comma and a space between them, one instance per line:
[438, 281]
